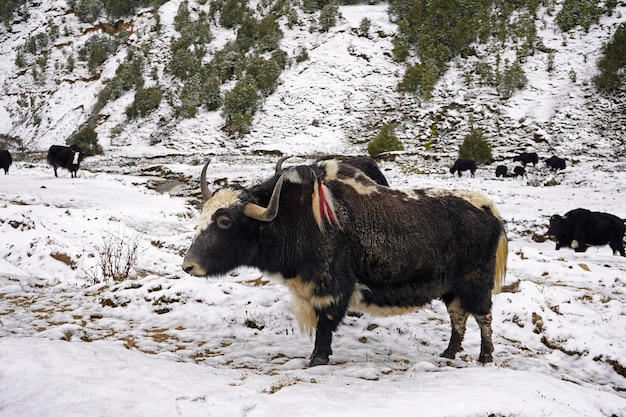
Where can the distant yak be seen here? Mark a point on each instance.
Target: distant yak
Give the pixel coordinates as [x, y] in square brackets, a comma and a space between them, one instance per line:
[555, 163]
[5, 160]
[527, 158]
[464, 165]
[66, 157]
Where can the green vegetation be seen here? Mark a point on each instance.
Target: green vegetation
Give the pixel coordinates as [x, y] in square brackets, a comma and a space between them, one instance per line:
[612, 63]
[8, 8]
[96, 50]
[385, 141]
[146, 100]
[578, 13]
[433, 32]
[476, 146]
[87, 139]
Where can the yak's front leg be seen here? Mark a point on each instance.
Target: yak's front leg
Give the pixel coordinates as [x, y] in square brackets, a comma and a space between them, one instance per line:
[323, 340]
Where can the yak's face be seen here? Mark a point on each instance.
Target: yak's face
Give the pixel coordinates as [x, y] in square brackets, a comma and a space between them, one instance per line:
[226, 233]
[558, 229]
[220, 240]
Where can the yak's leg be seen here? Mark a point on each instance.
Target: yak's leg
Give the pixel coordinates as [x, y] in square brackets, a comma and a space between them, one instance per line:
[579, 246]
[323, 340]
[55, 170]
[486, 344]
[618, 247]
[458, 318]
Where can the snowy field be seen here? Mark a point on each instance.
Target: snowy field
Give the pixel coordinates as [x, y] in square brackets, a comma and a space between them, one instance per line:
[167, 344]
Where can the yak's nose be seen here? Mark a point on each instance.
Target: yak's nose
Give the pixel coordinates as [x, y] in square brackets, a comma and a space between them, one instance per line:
[192, 268]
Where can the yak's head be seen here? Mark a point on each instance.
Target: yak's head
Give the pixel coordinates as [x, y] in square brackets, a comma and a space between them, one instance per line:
[225, 232]
[557, 226]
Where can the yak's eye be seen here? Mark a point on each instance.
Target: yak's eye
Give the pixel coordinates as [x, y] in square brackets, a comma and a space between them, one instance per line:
[224, 222]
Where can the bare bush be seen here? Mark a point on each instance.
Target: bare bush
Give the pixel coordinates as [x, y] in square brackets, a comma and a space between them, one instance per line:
[117, 257]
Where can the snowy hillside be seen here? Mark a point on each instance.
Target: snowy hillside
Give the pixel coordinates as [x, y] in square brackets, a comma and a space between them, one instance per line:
[163, 343]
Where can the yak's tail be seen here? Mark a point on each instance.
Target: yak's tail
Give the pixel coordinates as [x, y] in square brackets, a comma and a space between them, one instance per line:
[502, 252]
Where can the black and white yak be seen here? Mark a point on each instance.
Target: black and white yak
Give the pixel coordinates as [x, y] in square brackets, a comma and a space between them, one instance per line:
[580, 228]
[5, 160]
[343, 243]
[67, 157]
[464, 165]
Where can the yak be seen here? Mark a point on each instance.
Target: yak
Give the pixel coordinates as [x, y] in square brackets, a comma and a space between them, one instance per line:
[520, 171]
[555, 163]
[580, 228]
[341, 242]
[501, 171]
[464, 165]
[67, 157]
[527, 158]
[5, 160]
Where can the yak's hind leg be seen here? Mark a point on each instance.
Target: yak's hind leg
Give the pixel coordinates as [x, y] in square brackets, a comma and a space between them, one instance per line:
[458, 319]
[486, 334]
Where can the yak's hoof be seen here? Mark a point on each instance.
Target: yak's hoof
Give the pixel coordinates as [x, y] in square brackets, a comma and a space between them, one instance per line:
[318, 361]
[485, 359]
[449, 354]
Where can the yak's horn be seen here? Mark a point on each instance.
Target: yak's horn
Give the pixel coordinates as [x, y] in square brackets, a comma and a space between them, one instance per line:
[206, 193]
[279, 164]
[268, 214]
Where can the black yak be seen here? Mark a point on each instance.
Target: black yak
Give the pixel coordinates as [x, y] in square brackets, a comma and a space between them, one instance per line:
[580, 228]
[464, 165]
[5, 160]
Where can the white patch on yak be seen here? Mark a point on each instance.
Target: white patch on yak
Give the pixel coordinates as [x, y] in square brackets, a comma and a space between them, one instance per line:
[574, 244]
[478, 200]
[76, 156]
[331, 167]
[301, 305]
[357, 304]
[222, 198]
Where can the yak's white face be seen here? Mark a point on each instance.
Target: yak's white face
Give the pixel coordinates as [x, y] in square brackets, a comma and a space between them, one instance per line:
[76, 157]
[222, 198]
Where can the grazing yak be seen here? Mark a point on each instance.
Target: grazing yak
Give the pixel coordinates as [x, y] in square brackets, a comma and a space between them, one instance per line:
[519, 171]
[341, 242]
[581, 228]
[555, 163]
[5, 160]
[464, 165]
[501, 171]
[67, 157]
[526, 158]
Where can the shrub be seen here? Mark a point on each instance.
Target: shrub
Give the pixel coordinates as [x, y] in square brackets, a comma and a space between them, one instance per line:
[87, 139]
[233, 13]
[117, 258]
[385, 141]
[328, 16]
[578, 13]
[265, 73]
[240, 104]
[96, 51]
[364, 27]
[513, 78]
[476, 146]
[88, 10]
[146, 100]
[612, 63]
[420, 79]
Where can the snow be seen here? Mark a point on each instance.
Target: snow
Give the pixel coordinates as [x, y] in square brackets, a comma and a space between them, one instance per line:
[164, 343]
